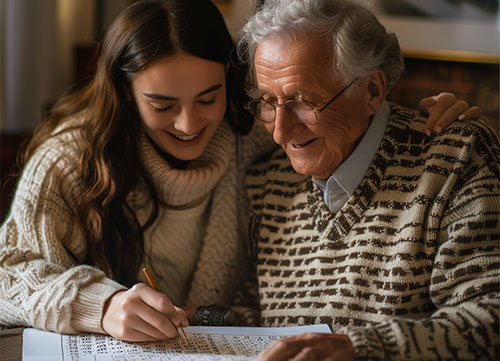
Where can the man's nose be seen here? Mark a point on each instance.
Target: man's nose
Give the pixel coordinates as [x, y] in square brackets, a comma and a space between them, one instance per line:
[285, 126]
[187, 121]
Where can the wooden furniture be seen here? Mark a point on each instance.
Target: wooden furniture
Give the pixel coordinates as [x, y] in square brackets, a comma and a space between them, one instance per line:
[11, 344]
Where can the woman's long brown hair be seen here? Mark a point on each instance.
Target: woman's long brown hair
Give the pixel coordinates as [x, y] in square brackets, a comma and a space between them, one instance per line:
[144, 32]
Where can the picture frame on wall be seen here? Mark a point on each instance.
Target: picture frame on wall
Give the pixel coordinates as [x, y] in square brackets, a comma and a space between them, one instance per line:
[460, 30]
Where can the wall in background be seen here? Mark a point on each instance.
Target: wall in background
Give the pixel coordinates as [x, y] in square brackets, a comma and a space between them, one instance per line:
[28, 48]
[478, 83]
[235, 13]
[448, 46]
[38, 44]
[37, 41]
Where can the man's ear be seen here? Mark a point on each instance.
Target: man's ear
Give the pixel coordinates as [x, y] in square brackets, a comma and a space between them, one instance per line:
[377, 90]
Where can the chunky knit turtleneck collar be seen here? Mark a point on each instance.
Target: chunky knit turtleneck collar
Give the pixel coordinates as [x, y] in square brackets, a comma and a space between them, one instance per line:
[182, 186]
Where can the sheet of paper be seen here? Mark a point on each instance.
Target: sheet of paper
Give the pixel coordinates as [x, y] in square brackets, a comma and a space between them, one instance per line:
[205, 344]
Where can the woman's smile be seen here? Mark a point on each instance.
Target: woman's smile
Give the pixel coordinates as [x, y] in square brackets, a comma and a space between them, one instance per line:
[181, 100]
[187, 140]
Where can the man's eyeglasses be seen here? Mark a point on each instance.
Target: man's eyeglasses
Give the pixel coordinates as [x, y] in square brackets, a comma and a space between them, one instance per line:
[307, 113]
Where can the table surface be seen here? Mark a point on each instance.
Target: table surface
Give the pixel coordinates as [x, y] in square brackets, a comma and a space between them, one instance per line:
[11, 344]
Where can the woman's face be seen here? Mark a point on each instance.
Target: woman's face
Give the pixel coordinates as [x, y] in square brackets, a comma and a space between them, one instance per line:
[181, 100]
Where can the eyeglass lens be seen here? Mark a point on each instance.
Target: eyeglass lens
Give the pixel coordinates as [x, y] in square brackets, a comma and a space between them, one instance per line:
[266, 111]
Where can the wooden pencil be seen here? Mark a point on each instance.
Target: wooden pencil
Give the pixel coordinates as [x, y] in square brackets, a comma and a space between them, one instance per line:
[153, 285]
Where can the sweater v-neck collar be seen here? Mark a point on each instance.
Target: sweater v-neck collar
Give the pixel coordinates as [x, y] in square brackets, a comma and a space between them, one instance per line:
[353, 210]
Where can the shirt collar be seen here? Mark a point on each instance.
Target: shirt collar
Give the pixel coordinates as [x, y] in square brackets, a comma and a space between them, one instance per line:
[350, 173]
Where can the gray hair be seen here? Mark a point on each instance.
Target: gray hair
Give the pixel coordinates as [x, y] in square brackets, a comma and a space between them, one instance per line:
[359, 44]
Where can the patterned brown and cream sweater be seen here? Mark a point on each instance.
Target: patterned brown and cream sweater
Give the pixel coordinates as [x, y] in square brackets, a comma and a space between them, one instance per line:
[409, 268]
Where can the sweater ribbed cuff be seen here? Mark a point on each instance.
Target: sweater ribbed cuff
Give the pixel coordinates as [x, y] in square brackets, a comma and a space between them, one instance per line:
[87, 309]
[373, 344]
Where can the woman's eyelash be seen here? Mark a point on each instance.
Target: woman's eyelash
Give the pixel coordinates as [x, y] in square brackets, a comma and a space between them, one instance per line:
[161, 110]
[207, 102]
[204, 102]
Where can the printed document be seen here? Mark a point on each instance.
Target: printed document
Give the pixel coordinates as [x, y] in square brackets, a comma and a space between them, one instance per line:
[204, 344]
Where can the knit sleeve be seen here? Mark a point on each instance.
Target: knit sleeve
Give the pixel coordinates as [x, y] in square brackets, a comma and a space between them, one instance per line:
[246, 301]
[42, 281]
[245, 304]
[255, 146]
[465, 282]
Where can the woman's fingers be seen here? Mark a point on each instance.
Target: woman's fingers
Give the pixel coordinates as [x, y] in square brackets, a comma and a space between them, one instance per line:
[162, 304]
[473, 112]
[133, 328]
[161, 313]
[189, 310]
[449, 115]
[150, 313]
[118, 321]
[428, 103]
[441, 103]
[444, 109]
[142, 314]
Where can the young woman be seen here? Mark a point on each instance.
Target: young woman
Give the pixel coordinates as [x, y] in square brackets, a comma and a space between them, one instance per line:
[142, 167]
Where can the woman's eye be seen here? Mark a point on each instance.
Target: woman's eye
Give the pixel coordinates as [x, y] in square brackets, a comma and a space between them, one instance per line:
[207, 102]
[162, 110]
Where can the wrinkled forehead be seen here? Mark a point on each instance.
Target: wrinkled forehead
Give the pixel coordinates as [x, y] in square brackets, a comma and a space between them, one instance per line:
[302, 54]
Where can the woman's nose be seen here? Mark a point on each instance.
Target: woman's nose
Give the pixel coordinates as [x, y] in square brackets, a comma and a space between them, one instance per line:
[187, 121]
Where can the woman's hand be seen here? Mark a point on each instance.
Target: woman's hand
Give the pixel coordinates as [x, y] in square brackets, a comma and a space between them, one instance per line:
[189, 310]
[142, 314]
[444, 109]
[310, 347]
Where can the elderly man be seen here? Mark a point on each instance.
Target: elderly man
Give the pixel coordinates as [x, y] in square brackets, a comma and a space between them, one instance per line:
[389, 236]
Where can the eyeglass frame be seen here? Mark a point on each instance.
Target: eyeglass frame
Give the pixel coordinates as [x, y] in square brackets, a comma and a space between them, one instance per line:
[314, 109]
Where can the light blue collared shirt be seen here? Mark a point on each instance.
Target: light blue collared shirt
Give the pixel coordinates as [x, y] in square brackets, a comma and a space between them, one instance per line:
[348, 176]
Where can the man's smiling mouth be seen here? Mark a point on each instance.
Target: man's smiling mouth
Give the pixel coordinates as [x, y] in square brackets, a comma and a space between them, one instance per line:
[302, 145]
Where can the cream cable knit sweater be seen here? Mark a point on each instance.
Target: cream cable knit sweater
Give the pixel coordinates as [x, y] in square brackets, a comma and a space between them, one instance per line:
[43, 286]
[175, 243]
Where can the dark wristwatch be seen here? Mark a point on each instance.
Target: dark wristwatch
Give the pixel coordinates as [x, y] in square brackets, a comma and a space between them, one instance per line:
[213, 315]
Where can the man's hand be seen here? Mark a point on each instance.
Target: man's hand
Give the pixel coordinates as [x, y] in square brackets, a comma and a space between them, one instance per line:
[310, 347]
[444, 109]
[142, 314]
